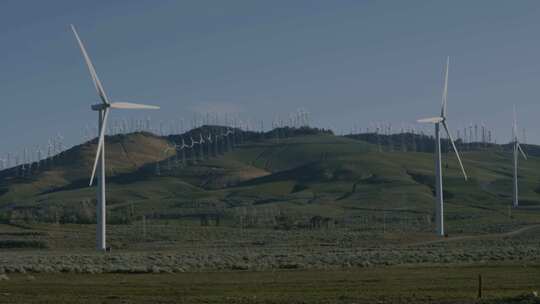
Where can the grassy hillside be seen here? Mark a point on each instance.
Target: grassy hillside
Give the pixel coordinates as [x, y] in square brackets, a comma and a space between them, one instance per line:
[124, 154]
[267, 180]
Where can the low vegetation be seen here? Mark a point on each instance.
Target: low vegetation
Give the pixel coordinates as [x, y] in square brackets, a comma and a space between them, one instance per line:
[433, 284]
[291, 202]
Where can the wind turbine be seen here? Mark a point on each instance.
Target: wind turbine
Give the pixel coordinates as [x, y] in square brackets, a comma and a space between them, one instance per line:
[170, 147]
[183, 152]
[103, 109]
[192, 142]
[517, 147]
[438, 121]
[201, 145]
[193, 153]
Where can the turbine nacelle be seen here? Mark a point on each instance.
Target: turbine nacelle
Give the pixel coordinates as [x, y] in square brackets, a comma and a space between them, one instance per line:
[100, 106]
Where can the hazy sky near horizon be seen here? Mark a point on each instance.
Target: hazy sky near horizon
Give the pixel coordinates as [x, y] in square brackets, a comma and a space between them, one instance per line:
[346, 62]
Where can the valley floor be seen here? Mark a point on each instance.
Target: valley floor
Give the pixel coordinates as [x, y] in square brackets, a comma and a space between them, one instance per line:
[396, 284]
[192, 264]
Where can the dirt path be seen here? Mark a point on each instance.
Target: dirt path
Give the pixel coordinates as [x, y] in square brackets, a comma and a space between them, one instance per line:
[479, 237]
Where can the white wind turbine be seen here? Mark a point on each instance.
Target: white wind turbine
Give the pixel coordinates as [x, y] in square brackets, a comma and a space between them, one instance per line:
[170, 147]
[192, 142]
[201, 138]
[182, 147]
[517, 147]
[103, 109]
[438, 168]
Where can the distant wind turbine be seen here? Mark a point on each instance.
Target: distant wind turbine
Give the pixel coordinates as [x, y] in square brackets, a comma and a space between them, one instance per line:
[193, 142]
[103, 109]
[438, 169]
[517, 147]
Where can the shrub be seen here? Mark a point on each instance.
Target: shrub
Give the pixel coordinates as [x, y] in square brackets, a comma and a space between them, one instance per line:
[7, 244]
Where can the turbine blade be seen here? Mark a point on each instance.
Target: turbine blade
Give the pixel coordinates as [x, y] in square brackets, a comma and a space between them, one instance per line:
[521, 150]
[455, 149]
[430, 120]
[101, 142]
[445, 88]
[132, 106]
[95, 78]
[514, 125]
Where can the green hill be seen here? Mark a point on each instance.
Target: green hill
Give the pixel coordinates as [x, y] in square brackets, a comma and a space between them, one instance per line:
[298, 173]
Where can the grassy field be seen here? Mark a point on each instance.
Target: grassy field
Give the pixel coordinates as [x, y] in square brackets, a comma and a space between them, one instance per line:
[306, 219]
[171, 249]
[435, 284]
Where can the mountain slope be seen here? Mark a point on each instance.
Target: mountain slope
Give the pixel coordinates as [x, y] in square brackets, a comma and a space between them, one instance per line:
[308, 174]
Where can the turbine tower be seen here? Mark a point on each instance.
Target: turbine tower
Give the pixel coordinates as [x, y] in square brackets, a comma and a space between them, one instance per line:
[517, 147]
[438, 121]
[103, 109]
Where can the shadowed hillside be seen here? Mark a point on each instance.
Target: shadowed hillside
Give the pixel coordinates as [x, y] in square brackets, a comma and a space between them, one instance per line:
[302, 172]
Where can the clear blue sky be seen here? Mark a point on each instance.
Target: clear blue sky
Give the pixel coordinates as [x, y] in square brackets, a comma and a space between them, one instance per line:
[344, 61]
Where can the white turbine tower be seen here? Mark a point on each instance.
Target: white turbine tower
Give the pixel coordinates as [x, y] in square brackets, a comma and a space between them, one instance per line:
[517, 147]
[438, 168]
[103, 109]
